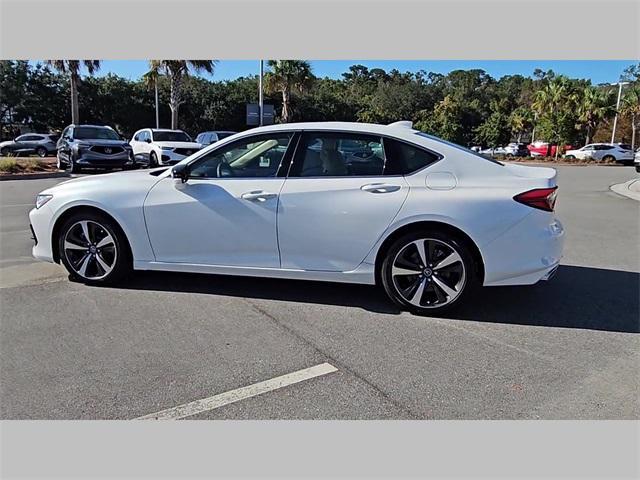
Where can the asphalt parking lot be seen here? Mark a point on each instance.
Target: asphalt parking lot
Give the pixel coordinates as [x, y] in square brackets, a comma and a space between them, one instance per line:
[565, 349]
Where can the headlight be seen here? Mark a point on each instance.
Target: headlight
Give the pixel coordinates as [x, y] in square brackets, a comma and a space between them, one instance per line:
[167, 148]
[41, 199]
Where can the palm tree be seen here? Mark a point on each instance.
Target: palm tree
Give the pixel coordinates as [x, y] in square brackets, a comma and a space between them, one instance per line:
[286, 76]
[594, 106]
[176, 70]
[150, 79]
[551, 103]
[72, 68]
[520, 120]
[631, 106]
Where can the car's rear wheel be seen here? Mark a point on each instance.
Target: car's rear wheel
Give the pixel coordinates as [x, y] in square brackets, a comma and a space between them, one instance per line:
[428, 272]
[93, 249]
[41, 152]
[609, 158]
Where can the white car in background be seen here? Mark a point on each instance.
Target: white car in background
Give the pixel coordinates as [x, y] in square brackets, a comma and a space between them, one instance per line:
[154, 147]
[425, 219]
[602, 152]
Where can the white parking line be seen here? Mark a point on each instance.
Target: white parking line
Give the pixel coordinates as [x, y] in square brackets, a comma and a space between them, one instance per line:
[232, 396]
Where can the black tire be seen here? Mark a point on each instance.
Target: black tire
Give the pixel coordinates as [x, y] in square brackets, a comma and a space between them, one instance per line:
[608, 158]
[41, 152]
[5, 151]
[638, 167]
[153, 160]
[72, 259]
[72, 166]
[462, 277]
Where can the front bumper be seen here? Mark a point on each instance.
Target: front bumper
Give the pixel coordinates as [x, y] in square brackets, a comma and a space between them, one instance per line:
[170, 157]
[41, 225]
[87, 158]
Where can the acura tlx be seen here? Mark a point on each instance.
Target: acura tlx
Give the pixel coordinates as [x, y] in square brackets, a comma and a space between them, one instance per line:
[427, 220]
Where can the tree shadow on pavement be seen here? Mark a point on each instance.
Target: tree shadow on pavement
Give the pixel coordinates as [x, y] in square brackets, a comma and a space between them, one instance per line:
[577, 297]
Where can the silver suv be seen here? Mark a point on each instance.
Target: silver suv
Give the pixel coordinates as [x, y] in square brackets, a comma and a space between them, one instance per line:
[42, 144]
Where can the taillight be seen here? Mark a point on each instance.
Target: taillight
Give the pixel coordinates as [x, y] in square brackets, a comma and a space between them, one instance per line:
[541, 198]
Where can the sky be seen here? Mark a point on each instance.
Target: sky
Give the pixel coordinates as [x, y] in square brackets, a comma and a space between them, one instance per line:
[599, 71]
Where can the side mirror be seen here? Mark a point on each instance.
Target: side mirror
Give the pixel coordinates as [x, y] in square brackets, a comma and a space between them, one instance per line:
[148, 140]
[181, 172]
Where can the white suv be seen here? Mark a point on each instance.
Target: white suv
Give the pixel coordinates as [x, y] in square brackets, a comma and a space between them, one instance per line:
[155, 147]
[602, 151]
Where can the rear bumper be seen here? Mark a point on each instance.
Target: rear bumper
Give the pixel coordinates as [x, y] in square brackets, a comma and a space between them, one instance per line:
[525, 254]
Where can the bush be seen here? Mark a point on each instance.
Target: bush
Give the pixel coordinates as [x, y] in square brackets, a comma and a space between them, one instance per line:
[9, 165]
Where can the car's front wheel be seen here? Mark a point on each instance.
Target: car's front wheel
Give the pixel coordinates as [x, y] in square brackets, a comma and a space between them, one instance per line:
[41, 152]
[93, 248]
[428, 272]
[153, 160]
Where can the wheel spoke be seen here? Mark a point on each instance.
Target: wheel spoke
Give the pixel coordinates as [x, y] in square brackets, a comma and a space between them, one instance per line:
[108, 240]
[404, 271]
[85, 263]
[73, 246]
[420, 246]
[103, 264]
[450, 292]
[417, 294]
[453, 257]
[85, 230]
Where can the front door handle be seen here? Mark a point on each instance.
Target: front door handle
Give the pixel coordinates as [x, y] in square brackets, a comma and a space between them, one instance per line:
[380, 188]
[258, 195]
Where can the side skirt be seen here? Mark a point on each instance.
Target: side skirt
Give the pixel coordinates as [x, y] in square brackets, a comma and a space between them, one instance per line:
[364, 274]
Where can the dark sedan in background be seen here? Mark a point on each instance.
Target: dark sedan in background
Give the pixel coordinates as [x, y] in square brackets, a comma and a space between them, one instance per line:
[42, 144]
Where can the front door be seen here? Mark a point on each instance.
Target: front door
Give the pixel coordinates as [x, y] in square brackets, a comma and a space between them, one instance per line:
[336, 202]
[225, 214]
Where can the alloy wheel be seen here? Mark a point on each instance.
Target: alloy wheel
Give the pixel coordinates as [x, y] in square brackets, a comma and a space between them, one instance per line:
[428, 273]
[90, 249]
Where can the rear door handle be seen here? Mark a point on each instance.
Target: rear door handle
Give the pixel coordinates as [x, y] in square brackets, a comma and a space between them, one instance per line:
[258, 196]
[380, 188]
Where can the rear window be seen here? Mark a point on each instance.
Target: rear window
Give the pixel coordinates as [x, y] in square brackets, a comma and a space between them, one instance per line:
[459, 147]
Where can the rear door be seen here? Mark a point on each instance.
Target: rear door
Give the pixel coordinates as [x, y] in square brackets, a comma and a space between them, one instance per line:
[336, 201]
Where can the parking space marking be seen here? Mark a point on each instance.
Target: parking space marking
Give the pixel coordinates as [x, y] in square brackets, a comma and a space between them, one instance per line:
[232, 396]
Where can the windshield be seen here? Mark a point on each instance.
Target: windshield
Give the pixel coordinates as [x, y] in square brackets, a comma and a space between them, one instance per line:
[222, 135]
[459, 147]
[94, 133]
[171, 137]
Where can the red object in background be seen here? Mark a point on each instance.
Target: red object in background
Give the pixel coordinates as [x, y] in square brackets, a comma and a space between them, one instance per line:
[545, 149]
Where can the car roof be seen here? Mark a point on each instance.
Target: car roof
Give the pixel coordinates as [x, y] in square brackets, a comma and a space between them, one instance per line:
[397, 128]
[163, 130]
[92, 126]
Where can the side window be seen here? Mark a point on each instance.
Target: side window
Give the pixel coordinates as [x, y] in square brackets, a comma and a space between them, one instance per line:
[200, 138]
[22, 138]
[136, 137]
[338, 155]
[404, 159]
[256, 156]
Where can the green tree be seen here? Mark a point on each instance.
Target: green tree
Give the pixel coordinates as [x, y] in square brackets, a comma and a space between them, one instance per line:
[14, 78]
[630, 106]
[521, 121]
[177, 70]
[594, 106]
[286, 76]
[72, 69]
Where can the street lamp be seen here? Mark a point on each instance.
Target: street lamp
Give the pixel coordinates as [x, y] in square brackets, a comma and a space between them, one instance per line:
[260, 97]
[615, 119]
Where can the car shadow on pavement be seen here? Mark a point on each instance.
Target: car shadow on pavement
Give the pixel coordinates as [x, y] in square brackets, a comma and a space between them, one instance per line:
[577, 297]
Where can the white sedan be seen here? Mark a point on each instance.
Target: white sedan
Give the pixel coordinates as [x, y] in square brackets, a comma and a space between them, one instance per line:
[154, 147]
[426, 219]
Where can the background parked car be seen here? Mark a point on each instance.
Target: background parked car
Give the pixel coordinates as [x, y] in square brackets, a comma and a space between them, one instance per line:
[207, 138]
[94, 146]
[516, 150]
[603, 152]
[153, 147]
[492, 152]
[544, 149]
[636, 160]
[42, 144]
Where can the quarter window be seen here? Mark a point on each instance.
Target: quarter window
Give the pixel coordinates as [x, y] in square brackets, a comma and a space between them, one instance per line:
[338, 155]
[256, 156]
[404, 159]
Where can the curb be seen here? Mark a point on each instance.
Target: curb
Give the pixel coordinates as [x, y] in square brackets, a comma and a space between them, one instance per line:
[625, 189]
[33, 176]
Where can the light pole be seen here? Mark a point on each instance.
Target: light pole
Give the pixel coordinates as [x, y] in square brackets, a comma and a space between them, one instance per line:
[260, 99]
[155, 84]
[615, 119]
